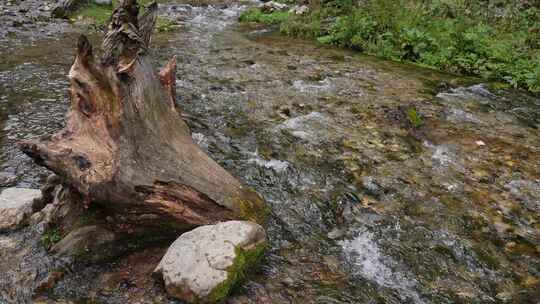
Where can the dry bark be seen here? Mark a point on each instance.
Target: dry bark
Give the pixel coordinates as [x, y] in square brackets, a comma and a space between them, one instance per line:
[125, 145]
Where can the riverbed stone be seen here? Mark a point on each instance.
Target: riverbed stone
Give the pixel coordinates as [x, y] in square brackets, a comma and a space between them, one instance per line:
[88, 244]
[16, 206]
[202, 265]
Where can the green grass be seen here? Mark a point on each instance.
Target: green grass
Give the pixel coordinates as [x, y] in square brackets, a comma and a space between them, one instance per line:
[497, 40]
[255, 15]
[100, 14]
[165, 25]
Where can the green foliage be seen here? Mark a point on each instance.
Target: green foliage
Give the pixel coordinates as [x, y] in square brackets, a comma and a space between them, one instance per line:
[100, 14]
[50, 238]
[165, 25]
[497, 40]
[414, 118]
[256, 15]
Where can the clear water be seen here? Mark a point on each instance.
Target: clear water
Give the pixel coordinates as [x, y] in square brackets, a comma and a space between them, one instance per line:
[365, 208]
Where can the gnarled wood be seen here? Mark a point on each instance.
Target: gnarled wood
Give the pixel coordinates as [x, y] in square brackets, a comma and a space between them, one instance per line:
[125, 145]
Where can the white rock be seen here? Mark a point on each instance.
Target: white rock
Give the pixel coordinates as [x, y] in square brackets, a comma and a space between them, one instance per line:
[299, 9]
[16, 206]
[272, 6]
[200, 260]
[313, 127]
[480, 143]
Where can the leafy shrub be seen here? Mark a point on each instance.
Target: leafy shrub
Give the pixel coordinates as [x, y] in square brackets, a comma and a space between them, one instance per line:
[50, 238]
[256, 15]
[497, 40]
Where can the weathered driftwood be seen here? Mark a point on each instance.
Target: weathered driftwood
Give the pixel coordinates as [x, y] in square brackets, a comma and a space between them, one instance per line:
[126, 147]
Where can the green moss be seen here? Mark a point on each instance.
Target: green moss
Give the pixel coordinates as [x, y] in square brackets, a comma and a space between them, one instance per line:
[237, 272]
[252, 208]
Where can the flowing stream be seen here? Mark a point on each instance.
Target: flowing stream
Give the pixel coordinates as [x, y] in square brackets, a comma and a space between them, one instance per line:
[366, 206]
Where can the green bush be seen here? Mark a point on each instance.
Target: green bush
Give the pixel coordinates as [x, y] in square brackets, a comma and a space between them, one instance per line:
[256, 15]
[50, 238]
[497, 40]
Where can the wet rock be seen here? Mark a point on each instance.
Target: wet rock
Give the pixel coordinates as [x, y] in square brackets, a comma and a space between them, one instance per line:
[49, 281]
[202, 265]
[370, 186]
[90, 243]
[299, 9]
[335, 234]
[17, 23]
[311, 127]
[527, 192]
[103, 2]
[16, 204]
[272, 6]
[460, 116]
[7, 180]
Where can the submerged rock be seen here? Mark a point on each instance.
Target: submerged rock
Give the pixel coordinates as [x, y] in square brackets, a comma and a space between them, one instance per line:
[312, 127]
[202, 265]
[16, 205]
[89, 242]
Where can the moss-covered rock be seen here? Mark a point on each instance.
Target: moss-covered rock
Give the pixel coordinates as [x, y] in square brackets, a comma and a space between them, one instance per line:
[245, 259]
[203, 265]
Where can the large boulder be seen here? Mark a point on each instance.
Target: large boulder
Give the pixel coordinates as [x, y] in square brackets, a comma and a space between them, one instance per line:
[16, 205]
[202, 265]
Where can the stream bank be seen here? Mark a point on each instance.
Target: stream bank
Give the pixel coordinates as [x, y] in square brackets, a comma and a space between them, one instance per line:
[368, 206]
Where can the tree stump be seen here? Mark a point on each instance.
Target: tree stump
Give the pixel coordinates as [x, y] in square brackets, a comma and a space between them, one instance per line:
[126, 148]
